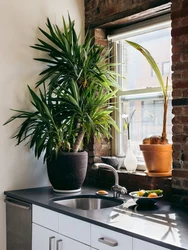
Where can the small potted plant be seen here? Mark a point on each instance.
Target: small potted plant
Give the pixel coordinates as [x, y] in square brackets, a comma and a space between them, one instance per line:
[73, 104]
[156, 150]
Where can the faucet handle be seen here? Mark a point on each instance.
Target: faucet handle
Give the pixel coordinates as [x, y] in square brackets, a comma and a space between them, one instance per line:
[118, 190]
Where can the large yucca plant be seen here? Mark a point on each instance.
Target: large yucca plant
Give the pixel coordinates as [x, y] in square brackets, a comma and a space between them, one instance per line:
[75, 103]
[164, 87]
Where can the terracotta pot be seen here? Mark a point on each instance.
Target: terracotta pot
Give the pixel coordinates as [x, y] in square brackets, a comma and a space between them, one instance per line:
[67, 172]
[158, 159]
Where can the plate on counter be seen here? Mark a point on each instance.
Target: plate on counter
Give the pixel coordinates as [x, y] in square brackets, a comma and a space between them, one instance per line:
[144, 201]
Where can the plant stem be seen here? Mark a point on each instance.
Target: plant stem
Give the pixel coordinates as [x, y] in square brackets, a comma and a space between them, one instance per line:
[164, 135]
[78, 141]
[128, 132]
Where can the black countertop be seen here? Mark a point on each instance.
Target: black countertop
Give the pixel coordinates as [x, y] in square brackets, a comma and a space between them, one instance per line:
[162, 225]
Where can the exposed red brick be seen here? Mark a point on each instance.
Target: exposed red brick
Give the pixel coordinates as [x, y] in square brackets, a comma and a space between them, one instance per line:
[179, 31]
[185, 110]
[181, 84]
[177, 129]
[180, 66]
[185, 165]
[185, 92]
[176, 5]
[178, 138]
[176, 120]
[184, 3]
[176, 46]
[185, 183]
[184, 57]
[176, 58]
[176, 93]
[185, 75]
[183, 39]
[177, 76]
[185, 156]
[184, 119]
[180, 173]
[185, 20]
[177, 183]
[175, 155]
[177, 110]
[99, 33]
[185, 129]
[176, 147]
[179, 13]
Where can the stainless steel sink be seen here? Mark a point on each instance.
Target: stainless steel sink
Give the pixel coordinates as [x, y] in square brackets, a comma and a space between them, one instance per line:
[88, 202]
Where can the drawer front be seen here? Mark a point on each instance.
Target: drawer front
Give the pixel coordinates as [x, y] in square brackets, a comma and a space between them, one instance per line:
[140, 244]
[105, 239]
[45, 217]
[74, 228]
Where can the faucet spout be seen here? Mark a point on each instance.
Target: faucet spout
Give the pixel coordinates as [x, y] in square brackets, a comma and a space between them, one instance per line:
[104, 165]
[116, 188]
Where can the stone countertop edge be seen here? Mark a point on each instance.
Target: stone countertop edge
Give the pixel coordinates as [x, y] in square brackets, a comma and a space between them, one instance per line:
[148, 225]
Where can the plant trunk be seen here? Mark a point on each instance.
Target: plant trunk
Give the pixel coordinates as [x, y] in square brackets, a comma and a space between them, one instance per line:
[78, 141]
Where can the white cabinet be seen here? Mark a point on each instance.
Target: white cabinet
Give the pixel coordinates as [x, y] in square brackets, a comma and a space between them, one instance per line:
[45, 217]
[74, 228]
[50, 231]
[140, 244]
[45, 239]
[55, 231]
[105, 239]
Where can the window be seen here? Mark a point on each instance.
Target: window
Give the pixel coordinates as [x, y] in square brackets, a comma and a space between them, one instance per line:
[140, 89]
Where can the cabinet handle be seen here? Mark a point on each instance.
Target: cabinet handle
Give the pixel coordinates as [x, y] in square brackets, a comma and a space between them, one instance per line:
[58, 244]
[108, 242]
[50, 242]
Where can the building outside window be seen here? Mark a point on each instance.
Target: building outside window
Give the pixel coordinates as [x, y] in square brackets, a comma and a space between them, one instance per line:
[140, 89]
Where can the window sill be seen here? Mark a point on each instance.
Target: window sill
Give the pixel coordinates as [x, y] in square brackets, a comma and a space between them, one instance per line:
[137, 172]
[104, 179]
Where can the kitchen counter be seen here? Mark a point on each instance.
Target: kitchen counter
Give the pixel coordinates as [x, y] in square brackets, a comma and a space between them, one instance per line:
[163, 225]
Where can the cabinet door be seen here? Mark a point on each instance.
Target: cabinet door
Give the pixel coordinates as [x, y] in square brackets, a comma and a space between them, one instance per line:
[45, 217]
[74, 228]
[140, 244]
[65, 243]
[43, 238]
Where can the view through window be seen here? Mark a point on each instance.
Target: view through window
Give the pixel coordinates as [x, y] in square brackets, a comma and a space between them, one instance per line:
[140, 89]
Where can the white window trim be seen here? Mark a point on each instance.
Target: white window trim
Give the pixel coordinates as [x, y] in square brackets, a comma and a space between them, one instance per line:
[124, 33]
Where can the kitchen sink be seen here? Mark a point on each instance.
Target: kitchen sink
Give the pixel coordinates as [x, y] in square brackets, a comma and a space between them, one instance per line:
[88, 202]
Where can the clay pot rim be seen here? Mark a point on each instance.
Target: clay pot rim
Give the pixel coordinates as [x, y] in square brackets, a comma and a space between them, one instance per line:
[156, 147]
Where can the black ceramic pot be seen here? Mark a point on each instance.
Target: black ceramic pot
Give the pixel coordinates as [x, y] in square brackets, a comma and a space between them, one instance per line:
[67, 172]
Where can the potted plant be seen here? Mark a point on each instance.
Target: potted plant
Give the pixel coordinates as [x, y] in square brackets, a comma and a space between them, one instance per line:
[156, 150]
[72, 103]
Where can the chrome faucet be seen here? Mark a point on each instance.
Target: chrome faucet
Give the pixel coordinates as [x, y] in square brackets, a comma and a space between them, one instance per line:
[116, 188]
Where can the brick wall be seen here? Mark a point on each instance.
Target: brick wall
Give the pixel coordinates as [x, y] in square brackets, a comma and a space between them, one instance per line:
[179, 15]
[103, 15]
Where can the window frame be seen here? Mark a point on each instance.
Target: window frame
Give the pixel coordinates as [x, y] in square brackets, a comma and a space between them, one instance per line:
[114, 39]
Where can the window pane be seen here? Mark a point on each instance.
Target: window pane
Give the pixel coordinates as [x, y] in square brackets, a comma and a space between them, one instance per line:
[147, 120]
[137, 71]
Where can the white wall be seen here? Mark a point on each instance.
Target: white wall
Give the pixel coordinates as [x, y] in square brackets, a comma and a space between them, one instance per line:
[19, 22]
